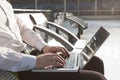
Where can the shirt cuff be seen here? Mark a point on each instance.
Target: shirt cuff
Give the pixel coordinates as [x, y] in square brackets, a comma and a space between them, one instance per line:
[28, 62]
[40, 45]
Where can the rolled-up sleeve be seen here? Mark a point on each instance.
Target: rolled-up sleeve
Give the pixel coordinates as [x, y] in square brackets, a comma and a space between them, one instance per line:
[13, 61]
[29, 36]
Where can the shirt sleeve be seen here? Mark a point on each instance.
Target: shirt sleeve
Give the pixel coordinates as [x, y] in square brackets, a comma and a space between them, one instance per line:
[29, 36]
[13, 61]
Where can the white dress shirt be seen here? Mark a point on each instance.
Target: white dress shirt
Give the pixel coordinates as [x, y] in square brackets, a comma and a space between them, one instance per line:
[12, 34]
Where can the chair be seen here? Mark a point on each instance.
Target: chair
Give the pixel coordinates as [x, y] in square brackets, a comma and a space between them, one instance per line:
[62, 42]
[56, 37]
[73, 20]
[38, 18]
[72, 39]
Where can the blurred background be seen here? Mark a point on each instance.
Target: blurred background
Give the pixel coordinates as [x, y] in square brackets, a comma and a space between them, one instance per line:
[78, 7]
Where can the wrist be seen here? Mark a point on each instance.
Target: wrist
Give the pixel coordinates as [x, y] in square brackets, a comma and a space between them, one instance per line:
[43, 49]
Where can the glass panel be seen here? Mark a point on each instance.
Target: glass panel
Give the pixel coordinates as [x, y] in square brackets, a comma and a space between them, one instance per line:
[81, 7]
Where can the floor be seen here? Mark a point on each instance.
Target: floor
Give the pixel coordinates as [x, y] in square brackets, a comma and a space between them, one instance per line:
[110, 50]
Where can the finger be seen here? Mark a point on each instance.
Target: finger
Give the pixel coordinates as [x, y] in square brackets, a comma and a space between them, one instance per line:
[61, 58]
[57, 64]
[54, 49]
[49, 67]
[65, 53]
[58, 58]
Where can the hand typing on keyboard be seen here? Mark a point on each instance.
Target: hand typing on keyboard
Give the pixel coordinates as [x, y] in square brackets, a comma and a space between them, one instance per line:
[61, 54]
[69, 62]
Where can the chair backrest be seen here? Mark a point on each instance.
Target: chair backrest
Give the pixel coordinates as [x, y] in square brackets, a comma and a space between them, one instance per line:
[25, 17]
[39, 19]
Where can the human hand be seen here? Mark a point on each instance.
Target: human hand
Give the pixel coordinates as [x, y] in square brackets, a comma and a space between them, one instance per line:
[49, 60]
[55, 49]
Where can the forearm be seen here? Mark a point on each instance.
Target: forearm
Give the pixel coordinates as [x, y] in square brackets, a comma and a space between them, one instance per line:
[14, 61]
[29, 36]
[33, 39]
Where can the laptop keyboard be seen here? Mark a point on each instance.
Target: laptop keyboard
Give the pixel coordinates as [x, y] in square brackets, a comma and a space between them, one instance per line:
[71, 61]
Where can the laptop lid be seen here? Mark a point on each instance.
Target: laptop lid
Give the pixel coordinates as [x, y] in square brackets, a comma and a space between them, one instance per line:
[93, 45]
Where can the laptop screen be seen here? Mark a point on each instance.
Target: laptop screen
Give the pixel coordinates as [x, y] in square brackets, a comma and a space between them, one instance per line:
[94, 44]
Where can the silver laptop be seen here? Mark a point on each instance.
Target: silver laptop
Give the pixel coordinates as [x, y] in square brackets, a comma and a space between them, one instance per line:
[78, 60]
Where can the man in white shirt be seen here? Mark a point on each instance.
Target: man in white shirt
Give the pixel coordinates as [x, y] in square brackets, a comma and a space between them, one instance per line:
[12, 34]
